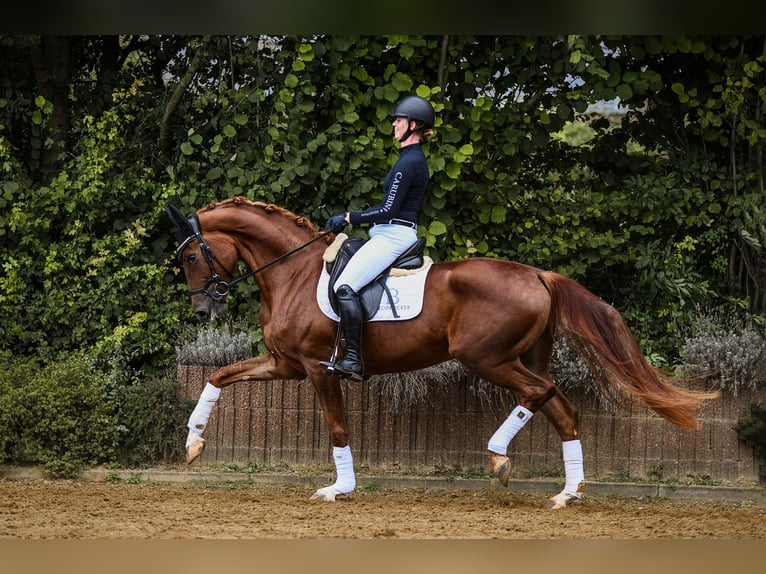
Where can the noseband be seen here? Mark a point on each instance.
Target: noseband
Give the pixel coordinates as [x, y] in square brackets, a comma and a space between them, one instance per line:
[221, 287]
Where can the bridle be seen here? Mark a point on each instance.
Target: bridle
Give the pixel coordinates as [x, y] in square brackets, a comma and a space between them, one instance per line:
[221, 287]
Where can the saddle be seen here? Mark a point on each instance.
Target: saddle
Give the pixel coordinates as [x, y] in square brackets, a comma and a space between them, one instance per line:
[372, 293]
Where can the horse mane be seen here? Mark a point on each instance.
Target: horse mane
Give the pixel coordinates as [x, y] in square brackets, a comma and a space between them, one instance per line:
[268, 208]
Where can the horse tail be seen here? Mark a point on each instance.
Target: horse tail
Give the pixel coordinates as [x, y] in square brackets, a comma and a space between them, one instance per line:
[599, 335]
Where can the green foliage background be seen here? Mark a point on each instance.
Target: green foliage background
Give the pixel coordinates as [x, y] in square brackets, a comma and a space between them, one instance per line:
[659, 208]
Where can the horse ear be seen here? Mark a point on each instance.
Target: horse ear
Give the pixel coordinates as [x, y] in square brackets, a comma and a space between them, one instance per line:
[184, 229]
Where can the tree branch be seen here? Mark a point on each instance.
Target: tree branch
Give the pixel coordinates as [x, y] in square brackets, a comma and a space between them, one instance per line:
[178, 94]
[443, 69]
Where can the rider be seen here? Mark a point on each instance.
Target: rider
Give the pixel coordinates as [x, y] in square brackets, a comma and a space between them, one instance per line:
[394, 226]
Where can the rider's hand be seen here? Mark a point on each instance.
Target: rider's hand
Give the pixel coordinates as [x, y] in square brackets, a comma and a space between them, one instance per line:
[336, 223]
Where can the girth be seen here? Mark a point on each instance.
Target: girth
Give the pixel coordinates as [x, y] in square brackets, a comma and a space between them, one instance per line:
[372, 293]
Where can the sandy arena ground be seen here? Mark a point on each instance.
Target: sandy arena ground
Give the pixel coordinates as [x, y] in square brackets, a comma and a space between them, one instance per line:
[87, 510]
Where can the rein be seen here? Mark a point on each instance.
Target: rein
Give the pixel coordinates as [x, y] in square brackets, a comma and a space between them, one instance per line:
[221, 286]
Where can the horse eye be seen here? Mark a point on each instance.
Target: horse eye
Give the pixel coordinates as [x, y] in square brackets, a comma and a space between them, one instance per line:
[191, 258]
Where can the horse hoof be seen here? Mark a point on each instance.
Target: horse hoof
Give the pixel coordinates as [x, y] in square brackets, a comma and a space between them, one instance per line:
[561, 500]
[194, 450]
[501, 466]
[328, 494]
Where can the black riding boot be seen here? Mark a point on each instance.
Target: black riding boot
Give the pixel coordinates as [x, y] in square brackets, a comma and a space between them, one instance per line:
[352, 323]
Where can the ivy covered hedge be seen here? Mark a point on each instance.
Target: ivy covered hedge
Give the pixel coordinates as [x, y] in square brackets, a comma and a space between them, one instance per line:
[656, 210]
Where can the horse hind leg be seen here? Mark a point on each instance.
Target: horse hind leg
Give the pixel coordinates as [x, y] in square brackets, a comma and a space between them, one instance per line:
[499, 441]
[533, 392]
[562, 414]
[574, 486]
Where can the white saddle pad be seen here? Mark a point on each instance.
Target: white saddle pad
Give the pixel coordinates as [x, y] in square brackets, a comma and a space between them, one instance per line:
[407, 288]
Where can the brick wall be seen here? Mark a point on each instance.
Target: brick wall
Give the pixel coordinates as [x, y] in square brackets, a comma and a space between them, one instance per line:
[280, 422]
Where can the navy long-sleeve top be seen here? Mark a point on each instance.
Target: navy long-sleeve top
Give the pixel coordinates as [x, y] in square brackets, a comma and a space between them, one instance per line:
[403, 190]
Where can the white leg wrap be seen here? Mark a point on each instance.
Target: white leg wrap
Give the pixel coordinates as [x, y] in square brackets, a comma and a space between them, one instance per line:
[513, 424]
[201, 413]
[344, 466]
[573, 469]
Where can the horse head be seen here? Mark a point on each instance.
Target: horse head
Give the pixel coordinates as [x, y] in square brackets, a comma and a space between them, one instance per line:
[205, 268]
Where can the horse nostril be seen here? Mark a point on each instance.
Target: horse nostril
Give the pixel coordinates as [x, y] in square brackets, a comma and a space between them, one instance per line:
[203, 316]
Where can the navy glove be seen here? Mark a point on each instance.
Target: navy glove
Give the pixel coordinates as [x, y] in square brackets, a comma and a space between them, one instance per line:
[336, 223]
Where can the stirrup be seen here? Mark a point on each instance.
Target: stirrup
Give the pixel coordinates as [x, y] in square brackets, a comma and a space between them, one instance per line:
[329, 367]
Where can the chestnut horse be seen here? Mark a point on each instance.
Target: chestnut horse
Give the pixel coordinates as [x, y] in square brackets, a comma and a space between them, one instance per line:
[498, 318]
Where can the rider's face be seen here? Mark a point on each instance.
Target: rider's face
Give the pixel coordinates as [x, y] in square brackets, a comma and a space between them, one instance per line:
[400, 126]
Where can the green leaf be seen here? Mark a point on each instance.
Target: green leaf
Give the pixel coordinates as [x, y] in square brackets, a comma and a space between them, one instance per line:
[389, 93]
[624, 92]
[214, 173]
[423, 91]
[438, 191]
[437, 228]
[498, 214]
[291, 81]
[401, 82]
[436, 163]
[349, 117]
[453, 170]
[306, 106]
[360, 74]
[437, 202]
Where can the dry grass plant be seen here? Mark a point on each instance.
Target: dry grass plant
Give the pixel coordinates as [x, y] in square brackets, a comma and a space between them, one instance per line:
[215, 345]
[727, 350]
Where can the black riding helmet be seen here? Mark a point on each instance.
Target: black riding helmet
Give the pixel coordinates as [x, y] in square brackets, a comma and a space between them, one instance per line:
[415, 108]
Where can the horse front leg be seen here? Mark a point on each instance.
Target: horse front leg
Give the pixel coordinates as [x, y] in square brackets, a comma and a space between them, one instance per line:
[330, 397]
[261, 368]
